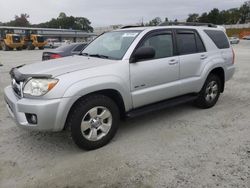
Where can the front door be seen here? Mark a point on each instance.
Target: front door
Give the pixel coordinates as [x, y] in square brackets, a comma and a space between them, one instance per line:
[155, 79]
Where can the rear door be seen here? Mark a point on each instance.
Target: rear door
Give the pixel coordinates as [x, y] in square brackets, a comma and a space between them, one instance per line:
[192, 55]
[155, 79]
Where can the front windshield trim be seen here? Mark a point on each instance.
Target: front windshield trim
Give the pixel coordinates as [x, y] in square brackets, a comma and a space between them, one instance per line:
[110, 57]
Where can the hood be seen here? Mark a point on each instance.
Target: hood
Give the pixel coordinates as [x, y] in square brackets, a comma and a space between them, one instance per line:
[65, 65]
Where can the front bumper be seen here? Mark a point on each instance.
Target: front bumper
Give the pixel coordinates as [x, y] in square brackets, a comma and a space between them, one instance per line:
[48, 113]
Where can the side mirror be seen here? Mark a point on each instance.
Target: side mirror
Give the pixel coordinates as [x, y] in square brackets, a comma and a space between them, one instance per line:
[143, 53]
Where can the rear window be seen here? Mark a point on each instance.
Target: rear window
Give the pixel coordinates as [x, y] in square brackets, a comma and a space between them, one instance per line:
[219, 38]
[66, 47]
[79, 48]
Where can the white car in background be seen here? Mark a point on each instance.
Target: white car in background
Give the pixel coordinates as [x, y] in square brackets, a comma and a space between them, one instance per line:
[234, 40]
[247, 37]
[54, 43]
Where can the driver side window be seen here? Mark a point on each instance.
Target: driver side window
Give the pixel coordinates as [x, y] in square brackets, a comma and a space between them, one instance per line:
[161, 43]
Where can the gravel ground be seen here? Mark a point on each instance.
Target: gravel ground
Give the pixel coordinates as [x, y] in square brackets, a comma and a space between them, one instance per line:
[178, 147]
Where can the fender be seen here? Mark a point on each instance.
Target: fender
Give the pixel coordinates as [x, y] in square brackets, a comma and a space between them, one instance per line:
[213, 64]
[94, 84]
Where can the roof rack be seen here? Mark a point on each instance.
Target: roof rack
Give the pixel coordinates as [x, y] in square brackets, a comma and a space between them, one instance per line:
[130, 26]
[188, 24]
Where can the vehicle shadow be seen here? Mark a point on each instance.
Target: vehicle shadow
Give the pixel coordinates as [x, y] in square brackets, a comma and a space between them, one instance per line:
[47, 143]
[156, 118]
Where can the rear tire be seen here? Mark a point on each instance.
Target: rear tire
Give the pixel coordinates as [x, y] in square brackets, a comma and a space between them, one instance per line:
[210, 92]
[94, 121]
[19, 49]
[41, 48]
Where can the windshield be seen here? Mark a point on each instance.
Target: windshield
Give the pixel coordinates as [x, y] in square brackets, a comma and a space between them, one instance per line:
[40, 39]
[111, 45]
[16, 39]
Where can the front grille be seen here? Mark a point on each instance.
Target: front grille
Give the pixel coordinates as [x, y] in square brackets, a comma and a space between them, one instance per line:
[17, 87]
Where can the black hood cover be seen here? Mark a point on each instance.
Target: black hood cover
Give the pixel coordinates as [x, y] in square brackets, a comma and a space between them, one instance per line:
[19, 77]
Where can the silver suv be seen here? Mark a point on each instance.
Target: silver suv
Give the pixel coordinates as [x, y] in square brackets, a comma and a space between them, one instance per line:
[123, 73]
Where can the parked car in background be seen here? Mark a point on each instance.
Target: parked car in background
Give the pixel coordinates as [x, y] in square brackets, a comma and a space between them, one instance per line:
[246, 37]
[234, 40]
[52, 43]
[63, 51]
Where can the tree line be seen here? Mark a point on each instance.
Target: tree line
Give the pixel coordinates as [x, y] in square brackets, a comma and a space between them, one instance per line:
[239, 15]
[62, 21]
[215, 16]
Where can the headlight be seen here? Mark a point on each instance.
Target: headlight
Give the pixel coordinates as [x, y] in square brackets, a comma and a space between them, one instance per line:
[38, 87]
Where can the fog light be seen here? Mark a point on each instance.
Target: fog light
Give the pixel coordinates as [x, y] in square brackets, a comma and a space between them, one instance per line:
[31, 118]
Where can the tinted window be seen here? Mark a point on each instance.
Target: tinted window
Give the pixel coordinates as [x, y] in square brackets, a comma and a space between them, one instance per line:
[186, 43]
[16, 39]
[162, 44]
[219, 38]
[79, 48]
[199, 43]
[40, 39]
[66, 47]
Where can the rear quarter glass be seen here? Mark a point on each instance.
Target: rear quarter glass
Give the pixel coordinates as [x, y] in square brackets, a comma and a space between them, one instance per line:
[219, 38]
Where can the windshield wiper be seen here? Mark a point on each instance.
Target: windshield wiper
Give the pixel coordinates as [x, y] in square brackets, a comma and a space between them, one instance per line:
[99, 55]
[84, 54]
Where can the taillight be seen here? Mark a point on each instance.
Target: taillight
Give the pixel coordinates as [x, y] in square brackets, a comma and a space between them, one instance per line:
[233, 55]
[55, 56]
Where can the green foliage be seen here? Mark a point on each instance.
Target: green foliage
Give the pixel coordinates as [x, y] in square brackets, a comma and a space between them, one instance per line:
[63, 22]
[193, 17]
[245, 12]
[21, 21]
[231, 16]
[156, 21]
[68, 22]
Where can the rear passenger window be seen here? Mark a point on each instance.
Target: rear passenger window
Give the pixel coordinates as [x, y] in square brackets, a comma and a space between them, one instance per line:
[189, 42]
[162, 44]
[199, 43]
[186, 43]
[219, 38]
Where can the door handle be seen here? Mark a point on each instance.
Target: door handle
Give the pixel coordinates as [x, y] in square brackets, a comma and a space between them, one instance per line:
[203, 56]
[173, 62]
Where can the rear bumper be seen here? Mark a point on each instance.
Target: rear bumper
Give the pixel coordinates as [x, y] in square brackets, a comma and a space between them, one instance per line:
[229, 72]
[47, 112]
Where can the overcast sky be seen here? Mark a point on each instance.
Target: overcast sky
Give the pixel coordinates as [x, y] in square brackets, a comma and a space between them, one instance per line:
[109, 12]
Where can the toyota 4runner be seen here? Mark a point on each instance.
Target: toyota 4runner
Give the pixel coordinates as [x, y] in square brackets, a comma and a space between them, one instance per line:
[123, 73]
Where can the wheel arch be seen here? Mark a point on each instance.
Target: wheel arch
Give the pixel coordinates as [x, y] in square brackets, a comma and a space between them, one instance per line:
[219, 71]
[111, 93]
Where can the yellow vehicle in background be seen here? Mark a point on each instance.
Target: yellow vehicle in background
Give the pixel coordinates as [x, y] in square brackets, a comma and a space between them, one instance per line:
[32, 40]
[9, 41]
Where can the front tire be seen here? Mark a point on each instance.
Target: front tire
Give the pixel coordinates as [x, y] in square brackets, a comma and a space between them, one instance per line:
[210, 92]
[5, 47]
[94, 121]
[31, 47]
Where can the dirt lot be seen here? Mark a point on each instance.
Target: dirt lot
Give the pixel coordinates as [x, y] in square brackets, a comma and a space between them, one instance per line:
[178, 147]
